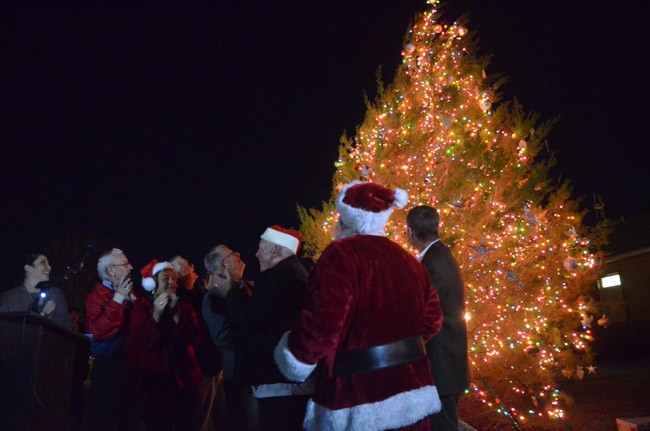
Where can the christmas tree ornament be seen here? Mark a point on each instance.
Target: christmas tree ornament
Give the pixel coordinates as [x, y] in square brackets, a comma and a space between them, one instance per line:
[591, 369]
[528, 213]
[511, 276]
[485, 104]
[603, 321]
[437, 29]
[409, 48]
[365, 172]
[462, 31]
[446, 122]
[566, 373]
[521, 147]
[531, 350]
[580, 372]
[586, 321]
[482, 251]
[457, 204]
[570, 264]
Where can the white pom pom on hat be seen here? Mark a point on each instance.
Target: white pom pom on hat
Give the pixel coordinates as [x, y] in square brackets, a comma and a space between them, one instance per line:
[150, 270]
[366, 207]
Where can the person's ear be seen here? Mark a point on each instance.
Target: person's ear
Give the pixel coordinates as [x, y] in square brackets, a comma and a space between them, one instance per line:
[28, 268]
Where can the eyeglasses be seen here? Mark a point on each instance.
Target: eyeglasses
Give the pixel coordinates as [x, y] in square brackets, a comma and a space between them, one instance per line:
[127, 263]
[232, 253]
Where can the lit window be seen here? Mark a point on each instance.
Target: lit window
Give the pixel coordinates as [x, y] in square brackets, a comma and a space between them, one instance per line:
[610, 280]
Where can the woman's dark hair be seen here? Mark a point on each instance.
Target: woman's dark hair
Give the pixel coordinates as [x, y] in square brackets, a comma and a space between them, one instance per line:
[17, 267]
[30, 258]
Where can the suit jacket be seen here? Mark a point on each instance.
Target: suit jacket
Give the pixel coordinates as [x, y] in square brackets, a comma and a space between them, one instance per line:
[447, 351]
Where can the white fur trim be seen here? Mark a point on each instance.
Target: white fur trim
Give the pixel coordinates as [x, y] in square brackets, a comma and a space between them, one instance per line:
[288, 364]
[401, 198]
[366, 222]
[362, 222]
[282, 239]
[160, 266]
[398, 411]
[148, 284]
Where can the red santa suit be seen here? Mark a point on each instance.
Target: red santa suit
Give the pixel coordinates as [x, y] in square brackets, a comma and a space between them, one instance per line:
[365, 291]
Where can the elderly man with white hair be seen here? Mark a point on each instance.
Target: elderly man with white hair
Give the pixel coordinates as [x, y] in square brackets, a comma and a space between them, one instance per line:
[113, 381]
[262, 318]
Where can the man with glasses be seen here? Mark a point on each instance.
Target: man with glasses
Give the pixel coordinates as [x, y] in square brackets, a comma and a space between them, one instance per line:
[113, 381]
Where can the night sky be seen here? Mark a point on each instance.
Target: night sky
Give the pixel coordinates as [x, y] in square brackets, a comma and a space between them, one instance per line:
[171, 128]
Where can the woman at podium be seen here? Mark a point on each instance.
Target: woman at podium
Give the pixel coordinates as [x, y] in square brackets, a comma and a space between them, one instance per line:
[35, 293]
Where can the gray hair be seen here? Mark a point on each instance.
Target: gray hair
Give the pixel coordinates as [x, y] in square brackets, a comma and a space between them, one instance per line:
[174, 262]
[215, 257]
[105, 261]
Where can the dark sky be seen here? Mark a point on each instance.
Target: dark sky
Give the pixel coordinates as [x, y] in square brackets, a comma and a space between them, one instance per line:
[173, 127]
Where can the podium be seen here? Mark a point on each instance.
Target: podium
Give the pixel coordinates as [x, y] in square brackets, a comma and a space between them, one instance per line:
[37, 360]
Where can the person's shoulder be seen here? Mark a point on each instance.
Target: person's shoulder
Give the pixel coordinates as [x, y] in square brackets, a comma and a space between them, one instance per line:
[9, 291]
[56, 290]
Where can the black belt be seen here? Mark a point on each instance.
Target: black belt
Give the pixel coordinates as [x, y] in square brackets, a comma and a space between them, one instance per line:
[398, 352]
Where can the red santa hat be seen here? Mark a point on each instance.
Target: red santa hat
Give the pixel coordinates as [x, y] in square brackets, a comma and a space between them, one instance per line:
[288, 238]
[150, 270]
[366, 207]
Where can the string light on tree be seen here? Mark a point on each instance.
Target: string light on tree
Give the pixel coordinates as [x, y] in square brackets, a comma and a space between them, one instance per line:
[440, 131]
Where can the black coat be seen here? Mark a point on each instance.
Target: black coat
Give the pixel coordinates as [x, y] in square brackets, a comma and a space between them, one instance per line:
[272, 310]
[447, 351]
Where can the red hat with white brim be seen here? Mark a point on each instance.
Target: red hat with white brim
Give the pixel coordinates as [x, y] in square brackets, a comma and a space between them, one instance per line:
[150, 270]
[287, 238]
[366, 207]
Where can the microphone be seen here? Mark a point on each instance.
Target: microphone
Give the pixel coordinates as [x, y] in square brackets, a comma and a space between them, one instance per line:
[76, 264]
[41, 299]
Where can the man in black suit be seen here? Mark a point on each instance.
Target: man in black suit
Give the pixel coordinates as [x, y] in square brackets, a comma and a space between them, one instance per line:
[447, 350]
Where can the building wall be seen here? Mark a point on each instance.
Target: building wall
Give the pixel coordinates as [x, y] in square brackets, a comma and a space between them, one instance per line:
[635, 285]
[628, 333]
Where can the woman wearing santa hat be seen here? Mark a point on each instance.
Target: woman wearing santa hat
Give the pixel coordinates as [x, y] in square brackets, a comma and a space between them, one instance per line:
[164, 334]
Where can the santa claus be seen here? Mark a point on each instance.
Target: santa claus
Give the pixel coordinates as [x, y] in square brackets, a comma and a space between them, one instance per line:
[369, 312]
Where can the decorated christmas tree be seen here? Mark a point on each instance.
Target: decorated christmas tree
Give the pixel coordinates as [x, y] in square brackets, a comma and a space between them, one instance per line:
[441, 132]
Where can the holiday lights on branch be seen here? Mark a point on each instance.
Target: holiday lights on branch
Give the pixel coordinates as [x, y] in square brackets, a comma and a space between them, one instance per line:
[441, 132]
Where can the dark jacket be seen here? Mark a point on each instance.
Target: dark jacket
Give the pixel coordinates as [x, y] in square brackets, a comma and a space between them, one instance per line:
[19, 299]
[262, 318]
[208, 355]
[447, 351]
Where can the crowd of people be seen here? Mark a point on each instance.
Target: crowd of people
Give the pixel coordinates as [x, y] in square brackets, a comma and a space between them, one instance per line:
[372, 339]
